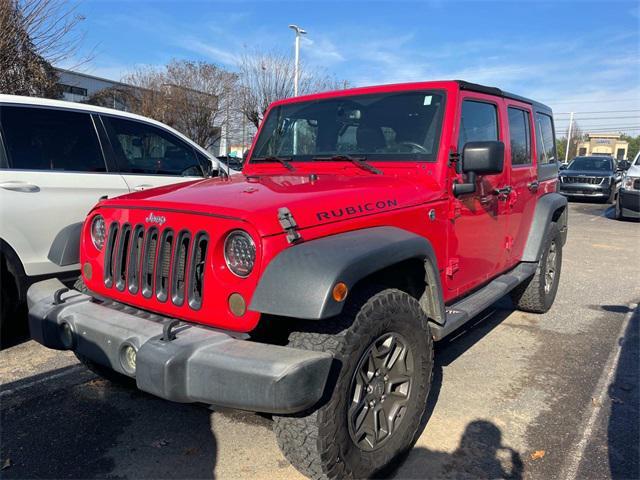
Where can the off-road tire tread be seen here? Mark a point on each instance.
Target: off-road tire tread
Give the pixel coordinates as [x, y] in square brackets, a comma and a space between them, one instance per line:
[530, 296]
[298, 435]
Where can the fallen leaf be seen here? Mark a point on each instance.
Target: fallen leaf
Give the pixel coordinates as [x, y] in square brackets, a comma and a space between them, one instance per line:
[6, 464]
[596, 402]
[191, 451]
[537, 454]
[159, 443]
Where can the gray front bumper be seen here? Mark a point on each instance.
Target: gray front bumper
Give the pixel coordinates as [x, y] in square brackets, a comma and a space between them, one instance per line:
[199, 365]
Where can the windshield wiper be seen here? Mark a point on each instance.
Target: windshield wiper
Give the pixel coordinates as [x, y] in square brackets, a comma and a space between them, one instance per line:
[272, 158]
[358, 161]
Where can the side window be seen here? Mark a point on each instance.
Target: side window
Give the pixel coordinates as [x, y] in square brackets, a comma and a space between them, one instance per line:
[478, 123]
[519, 136]
[146, 149]
[545, 143]
[50, 139]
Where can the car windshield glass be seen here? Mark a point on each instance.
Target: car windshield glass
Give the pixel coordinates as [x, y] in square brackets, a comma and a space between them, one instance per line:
[598, 164]
[385, 126]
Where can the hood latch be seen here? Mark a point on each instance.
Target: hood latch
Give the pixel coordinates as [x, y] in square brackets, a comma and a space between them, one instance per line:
[289, 225]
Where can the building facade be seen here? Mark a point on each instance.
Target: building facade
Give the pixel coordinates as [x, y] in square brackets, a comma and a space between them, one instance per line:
[604, 144]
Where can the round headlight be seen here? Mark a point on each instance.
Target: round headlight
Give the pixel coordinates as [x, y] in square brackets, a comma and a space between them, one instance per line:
[240, 253]
[98, 231]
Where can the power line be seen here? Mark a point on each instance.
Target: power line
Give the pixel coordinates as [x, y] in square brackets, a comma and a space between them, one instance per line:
[586, 101]
[601, 118]
[599, 111]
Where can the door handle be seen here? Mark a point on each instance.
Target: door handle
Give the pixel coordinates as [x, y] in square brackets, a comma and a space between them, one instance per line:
[23, 187]
[143, 186]
[533, 186]
[502, 192]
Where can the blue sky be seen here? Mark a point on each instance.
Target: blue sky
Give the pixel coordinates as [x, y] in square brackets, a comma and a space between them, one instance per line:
[575, 56]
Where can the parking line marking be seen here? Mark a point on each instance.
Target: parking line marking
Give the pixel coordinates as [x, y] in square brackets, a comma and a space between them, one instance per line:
[576, 456]
[73, 369]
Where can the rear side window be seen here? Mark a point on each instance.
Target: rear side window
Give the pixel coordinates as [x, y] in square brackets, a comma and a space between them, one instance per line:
[478, 123]
[145, 149]
[519, 136]
[49, 139]
[545, 143]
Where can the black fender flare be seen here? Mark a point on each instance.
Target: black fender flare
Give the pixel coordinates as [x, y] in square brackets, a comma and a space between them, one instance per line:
[551, 207]
[65, 249]
[298, 282]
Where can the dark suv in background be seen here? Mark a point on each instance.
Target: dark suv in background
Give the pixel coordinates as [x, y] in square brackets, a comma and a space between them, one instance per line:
[591, 177]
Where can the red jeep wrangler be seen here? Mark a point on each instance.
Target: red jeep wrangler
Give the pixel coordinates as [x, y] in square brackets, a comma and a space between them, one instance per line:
[367, 223]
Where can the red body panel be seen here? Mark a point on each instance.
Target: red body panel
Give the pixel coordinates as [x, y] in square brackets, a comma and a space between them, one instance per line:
[339, 197]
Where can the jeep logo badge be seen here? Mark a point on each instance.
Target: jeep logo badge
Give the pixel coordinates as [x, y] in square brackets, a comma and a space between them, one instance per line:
[158, 219]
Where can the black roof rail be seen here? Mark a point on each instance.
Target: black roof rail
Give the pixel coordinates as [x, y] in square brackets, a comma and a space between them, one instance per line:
[475, 87]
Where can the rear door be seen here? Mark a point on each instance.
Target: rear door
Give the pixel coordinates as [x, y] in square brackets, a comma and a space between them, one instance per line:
[54, 172]
[477, 234]
[148, 156]
[524, 183]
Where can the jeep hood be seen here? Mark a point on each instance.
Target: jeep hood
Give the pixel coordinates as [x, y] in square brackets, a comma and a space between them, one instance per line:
[311, 199]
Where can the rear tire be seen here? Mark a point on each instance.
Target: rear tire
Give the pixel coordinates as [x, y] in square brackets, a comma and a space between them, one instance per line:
[375, 404]
[537, 294]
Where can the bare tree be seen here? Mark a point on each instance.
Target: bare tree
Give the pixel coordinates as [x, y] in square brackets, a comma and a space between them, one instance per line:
[268, 76]
[34, 34]
[192, 97]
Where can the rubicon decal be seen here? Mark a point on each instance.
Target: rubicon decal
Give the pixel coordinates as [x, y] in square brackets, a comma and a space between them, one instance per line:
[157, 219]
[356, 209]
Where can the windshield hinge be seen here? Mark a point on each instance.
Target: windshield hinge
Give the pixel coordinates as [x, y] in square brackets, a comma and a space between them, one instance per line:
[289, 225]
[454, 158]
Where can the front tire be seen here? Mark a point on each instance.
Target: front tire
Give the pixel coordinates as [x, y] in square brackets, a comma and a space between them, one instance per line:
[375, 408]
[537, 294]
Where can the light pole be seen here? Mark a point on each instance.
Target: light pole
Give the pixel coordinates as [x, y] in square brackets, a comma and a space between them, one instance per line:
[296, 68]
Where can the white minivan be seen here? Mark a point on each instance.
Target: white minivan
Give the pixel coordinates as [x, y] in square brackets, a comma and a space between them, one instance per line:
[56, 160]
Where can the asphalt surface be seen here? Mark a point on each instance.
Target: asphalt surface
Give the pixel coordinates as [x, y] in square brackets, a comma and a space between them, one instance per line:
[514, 396]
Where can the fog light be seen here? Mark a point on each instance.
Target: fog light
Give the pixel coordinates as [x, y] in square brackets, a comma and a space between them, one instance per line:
[237, 304]
[66, 336]
[87, 270]
[340, 292]
[128, 359]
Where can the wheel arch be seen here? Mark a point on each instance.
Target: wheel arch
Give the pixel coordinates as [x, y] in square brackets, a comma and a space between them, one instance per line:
[298, 282]
[550, 208]
[14, 267]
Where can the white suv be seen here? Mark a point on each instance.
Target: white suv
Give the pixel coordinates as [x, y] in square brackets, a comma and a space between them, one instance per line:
[56, 160]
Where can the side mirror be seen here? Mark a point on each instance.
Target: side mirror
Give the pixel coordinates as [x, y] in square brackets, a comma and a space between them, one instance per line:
[479, 158]
[623, 165]
[564, 166]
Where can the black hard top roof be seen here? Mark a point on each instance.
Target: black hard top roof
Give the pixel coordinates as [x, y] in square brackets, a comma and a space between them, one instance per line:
[474, 87]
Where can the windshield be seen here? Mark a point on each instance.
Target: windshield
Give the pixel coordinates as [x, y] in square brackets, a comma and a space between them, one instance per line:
[387, 126]
[598, 164]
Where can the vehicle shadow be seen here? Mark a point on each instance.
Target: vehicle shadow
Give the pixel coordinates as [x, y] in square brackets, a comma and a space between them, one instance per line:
[624, 398]
[78, 426]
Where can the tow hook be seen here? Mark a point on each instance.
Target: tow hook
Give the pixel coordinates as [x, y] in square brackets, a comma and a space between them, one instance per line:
[167, 331]
[57, 297]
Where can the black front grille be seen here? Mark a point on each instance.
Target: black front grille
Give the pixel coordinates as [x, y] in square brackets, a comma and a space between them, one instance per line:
[636, 184]
[583, 180]
[156, 262]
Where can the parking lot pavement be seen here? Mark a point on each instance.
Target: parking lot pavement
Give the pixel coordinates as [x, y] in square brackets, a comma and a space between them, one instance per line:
[515, 395]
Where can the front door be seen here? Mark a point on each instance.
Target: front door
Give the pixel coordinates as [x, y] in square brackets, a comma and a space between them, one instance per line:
[478, 220]
[149, 156]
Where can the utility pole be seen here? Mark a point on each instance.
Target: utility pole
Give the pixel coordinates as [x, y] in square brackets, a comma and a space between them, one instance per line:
[566, 151]
[296, 67]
